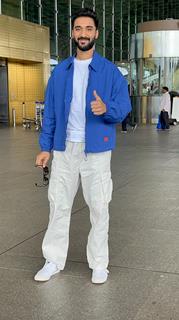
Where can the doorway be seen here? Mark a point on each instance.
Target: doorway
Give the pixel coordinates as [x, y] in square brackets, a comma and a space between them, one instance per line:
[4, 109]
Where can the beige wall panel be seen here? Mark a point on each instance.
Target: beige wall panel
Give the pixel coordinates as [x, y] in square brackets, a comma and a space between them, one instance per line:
[4, 39]
[15, 53]
[45, 41]
[4, 52]
[35, 56]
[22, 37]
[20, 42]
[20, 54]
[16, 37]
[158, 25]
[38, 41]
[25, 85]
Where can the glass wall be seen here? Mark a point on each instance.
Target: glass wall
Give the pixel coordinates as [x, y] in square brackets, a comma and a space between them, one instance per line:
[30, 10]
[11, 8]
[48, 20]
[63, 29]
[118, 19]
[153, 65]
[156, 73]
[152, 76]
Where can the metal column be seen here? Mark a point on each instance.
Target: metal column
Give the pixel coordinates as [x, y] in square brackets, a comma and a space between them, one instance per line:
[128, 30]
[135, 18]
[163, 10]
[22, 11]
[0, 7]
[40, 12]
[70, 33]
[56, 28]
[112, 30]
[94, 5]
[148, 4]
[142, 11]
[104, 29]
[121, 31]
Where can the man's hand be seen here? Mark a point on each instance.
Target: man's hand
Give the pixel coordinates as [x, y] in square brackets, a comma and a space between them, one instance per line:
[42, 159]
[98, 107]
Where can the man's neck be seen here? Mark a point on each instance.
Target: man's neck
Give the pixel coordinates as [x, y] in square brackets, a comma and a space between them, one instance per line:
[84, 55]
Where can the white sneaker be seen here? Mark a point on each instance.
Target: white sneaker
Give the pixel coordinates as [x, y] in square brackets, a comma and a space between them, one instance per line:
[48, 270]
[99, 276]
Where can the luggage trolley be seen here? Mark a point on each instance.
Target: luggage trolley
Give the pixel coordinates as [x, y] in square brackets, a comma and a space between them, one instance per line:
[26, 122]
[37, 121]
[39, 110]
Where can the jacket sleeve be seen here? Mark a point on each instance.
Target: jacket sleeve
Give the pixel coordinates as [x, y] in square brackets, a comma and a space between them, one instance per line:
[49, 122]
[119, 104]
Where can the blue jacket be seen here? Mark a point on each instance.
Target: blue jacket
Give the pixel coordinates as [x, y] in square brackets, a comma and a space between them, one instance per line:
[100, 131]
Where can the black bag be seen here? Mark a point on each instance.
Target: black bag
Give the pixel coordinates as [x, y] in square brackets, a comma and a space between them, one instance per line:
[172, 122]
[164, 119]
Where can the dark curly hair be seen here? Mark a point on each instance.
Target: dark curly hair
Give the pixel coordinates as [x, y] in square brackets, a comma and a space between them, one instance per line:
[165, 88]
[85, 12]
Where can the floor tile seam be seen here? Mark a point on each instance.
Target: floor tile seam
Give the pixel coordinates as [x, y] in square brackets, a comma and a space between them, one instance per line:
[130, 268]
[145, 270]
[73, 213]
[132, 179]
[78, 211]
[155, 150]
[15, 269]
[34, 235]
[13, 255]
[110, 266]
[21, 242]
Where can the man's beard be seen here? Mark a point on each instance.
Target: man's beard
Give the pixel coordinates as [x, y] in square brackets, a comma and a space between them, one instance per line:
[87, 47]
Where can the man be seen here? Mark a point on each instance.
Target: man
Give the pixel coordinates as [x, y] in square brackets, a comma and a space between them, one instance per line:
[165, 108]
[86, 96]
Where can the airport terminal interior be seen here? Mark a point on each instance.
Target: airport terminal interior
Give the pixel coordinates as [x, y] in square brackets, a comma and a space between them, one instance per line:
[141, 37]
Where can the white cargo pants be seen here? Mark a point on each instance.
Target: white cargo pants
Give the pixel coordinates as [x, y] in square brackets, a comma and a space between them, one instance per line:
[67, 169]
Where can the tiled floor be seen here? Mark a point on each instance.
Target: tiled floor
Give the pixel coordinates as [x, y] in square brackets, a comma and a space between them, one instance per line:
[144, 235]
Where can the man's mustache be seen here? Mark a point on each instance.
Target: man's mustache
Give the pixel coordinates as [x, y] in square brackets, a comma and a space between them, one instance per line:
[81, 38]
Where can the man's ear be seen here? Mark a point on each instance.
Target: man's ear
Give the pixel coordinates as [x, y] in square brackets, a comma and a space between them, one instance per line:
[97, 34]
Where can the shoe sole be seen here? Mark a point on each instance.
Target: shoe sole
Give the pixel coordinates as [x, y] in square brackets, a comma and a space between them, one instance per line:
[98, 282]
[45, 279]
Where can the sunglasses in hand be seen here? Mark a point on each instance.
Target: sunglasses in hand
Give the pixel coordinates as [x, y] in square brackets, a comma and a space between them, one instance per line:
[45, 177]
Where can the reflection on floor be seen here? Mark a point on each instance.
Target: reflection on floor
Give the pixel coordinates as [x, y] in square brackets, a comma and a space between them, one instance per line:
[144, 235]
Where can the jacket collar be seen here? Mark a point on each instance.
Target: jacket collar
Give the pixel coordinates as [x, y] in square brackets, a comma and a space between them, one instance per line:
[95, 63]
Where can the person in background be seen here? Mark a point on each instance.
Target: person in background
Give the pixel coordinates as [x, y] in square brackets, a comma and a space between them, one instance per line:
[86, 97]
[165, 107]
[128, 119]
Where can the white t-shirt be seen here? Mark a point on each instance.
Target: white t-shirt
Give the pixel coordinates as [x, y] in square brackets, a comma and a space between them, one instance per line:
[77, 119]
[166, 102]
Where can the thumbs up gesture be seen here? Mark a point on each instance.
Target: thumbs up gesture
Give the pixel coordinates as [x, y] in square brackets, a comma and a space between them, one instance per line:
[98, 107]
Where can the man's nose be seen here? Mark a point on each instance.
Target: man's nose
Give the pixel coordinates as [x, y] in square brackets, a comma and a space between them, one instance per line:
[83, 33]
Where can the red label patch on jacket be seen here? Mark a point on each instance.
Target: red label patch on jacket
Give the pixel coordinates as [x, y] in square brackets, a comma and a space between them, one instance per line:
[106, 139]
